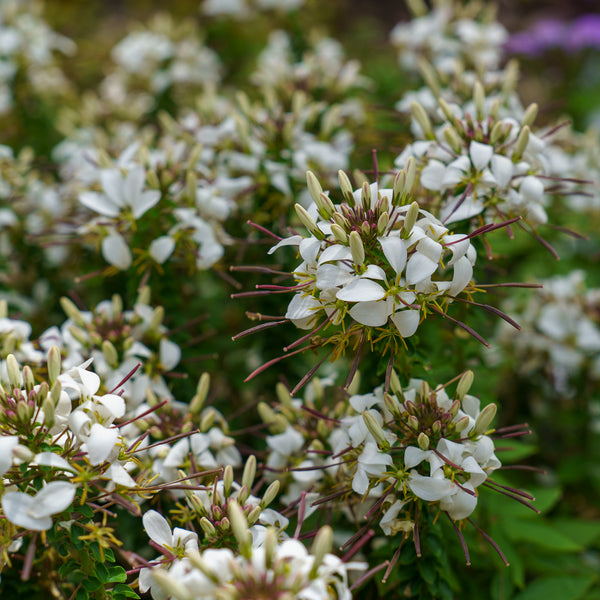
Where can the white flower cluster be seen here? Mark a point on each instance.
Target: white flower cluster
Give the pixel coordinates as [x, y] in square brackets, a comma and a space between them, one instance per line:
[479, 162]
[245, 9]
[560, 332]
[273, 568]
[322, 70]
[164, 55]
[374, 259]
[450, 36]
[424, 445]
[68, 415]
[28, 45]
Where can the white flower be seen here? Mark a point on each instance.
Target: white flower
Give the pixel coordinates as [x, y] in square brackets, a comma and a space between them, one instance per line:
[33, 512]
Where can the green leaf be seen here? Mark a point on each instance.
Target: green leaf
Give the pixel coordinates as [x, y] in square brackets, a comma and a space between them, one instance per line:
[563, 587]
[541, 534]
[580, 531]
[116, 575]
[123, 591]
[518, 451]
[516, 571]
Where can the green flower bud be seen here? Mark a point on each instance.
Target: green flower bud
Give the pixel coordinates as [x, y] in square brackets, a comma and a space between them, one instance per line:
[308, 222]
[346, 188]
[249, 472]
[72, 311]
[356, 248]
[420, 116]
[423, 441]
[321, 546]
[376, 431]
[314, 187]
[14, 372]
[110, 353]
[270, 494]
[464, 384]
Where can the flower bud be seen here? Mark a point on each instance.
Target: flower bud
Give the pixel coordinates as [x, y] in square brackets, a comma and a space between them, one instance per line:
[346, 188]
[420, 116]
[254, 515]
[409, 220]
[72, 311]
[356, 248]
[382, 223]
[366, 195]
[48, 409]
[413, 423]
[110, 353]
[446, 109]
[28, 378]
[321, 547]
[308, 222]
[429, 76]
[479, 99]
[339, 234]
[249, 472]
[201, 393]
[453, 139]
[170, 585]
[208, 420]
[14, 372]
[497, 134]
[270, 494]
[423, 441]
[157, 318]
[207, 527]
[484, 419]
[314, 187]
[464, 384]
[530, 115]
[521, 144]
[376, 430]
[239, 526]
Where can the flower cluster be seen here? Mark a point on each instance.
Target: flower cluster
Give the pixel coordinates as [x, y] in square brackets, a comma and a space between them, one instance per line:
[375, 260]
[561, 332]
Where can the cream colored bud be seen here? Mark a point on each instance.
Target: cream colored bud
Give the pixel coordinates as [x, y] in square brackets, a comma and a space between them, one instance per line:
[194, 157]
[314, 187]
[420, 116]
[356, 248]
[395, 384]
[28, 378]
[308, 222]
[413, 423]
[152, 180]
[239, 527]
[144, 295]
[484, 419]
[320, 548]
[446, 110]
[418, 8]
[365, 194]
[270, 494]
[270, 545]
[72, 311]
[3, 309]
[354, 384]
[339, 234]
[249, 472]
[208, 420]
[157, 318]
[462, 423]
[201, 394]
[254, 515]
[325, 206]
[376, 430]
[382, 223]
[423, 441]
[511, 76]
[479, 99]
[346, 188]
[266, 413]
[454, 140]
[207, 527]
[227, 479]
[340, 220]
[530, 115]
[521, 144]
[110, 353]
[497, 134]
[429, 76]
[409, 220]
[464, 384]
[14, 371]
[392, 404]
[55, 393]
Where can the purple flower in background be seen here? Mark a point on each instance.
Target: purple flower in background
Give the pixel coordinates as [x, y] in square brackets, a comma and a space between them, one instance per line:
[546, 34]
[584, 33]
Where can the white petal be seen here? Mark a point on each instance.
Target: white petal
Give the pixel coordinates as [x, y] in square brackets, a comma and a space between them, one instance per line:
[419, 267]
[113, 185]
[161, 248]
[430, 248]
[429, 488]
[116, 252]
[361, 290]
[480, 154]
[7, 443]
[52, 499]
[372, 314]
[100, 204]
[459, 505]
[463, 272]
[502, 168]
[414, 456]
[432, 175]
[170, 353]
[335, 252]
[16, 505]
[114, 403]
[394, 249]
[374, 272]
[49, 459]
[302, 310]
[157, 528]
[120, 476]
[145, 202]
[100, 443]
[294, 240]
[407, 321]
[89, 379]
[532, 188]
